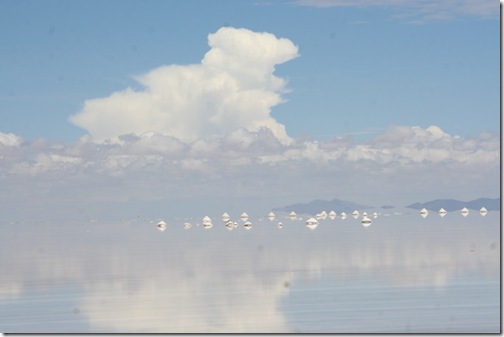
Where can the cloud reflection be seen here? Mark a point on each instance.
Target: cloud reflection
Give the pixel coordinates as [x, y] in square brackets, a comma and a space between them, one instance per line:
[136, 280]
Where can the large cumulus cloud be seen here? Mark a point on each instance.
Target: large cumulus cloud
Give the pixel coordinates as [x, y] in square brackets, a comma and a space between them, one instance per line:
[233, 87]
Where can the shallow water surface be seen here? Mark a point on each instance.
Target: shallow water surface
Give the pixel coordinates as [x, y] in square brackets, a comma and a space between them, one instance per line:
[403, 273]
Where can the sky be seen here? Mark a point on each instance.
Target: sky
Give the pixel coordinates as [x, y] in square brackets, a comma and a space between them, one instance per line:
[139, 105]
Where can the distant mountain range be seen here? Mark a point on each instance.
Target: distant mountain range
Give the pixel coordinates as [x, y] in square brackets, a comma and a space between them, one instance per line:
[455, 205]
[317, 206]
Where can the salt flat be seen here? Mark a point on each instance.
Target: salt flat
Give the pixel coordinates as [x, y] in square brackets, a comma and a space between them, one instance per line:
[403, 273]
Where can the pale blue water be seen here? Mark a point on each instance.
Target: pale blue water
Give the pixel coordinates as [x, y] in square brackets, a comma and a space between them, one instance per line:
[404, 273]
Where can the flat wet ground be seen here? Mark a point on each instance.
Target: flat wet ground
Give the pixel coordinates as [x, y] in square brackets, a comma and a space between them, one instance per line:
[403, 273]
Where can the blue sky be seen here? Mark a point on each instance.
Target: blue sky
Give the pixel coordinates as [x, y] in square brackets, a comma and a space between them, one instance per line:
[221, 104]
[360, 68]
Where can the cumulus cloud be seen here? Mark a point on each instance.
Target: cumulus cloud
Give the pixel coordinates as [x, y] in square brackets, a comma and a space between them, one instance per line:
[9, 139]
[184, 308]
[233, 87]
[417, 11]
[402, 145]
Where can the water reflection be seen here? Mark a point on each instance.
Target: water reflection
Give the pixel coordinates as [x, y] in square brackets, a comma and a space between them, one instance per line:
[424, 213]
[366, 222]
[464, 212]
[230, 225]
[271, 216]
[244, 217]
[129, 278]
[312, 223]
[161, 225]
[225, 217]
[207, 222]
[322, 215]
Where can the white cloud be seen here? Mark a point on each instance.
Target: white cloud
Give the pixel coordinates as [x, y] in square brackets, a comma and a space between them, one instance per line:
[245, 164]
[417, 11]
[10, 139]
[184, 306]
[233, 87]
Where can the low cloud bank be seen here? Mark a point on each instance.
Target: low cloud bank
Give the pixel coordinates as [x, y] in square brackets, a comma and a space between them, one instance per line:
[403, 164]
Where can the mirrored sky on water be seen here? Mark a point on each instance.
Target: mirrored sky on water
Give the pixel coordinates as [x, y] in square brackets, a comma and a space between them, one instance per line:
[403, 273]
